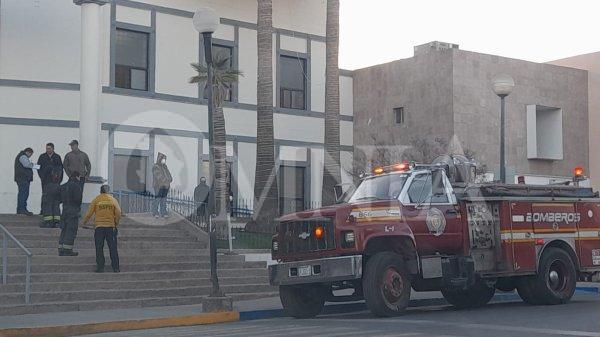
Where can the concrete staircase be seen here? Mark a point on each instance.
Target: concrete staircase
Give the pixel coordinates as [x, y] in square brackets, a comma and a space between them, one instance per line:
[163, 262]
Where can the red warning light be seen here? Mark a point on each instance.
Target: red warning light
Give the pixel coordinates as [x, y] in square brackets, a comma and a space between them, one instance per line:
[578, 171]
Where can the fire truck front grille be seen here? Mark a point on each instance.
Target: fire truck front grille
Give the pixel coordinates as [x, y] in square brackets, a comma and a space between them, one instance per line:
[299, 236]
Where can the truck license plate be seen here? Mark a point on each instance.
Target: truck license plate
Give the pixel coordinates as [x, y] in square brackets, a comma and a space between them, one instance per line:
[304, 271]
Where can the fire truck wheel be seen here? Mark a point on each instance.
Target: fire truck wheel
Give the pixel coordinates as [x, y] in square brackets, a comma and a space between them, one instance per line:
[525, 290]
[302, 301]
[556, 279]
[475, 296]
[386, 284]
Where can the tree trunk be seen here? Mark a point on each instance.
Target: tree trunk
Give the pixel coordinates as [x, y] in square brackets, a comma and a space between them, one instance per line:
[332, 171]
[220, 158]
[266, 199]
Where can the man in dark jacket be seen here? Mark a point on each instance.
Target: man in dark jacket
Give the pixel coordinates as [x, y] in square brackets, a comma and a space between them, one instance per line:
[49, 162]
[201, 193]
[162, 182]
[71, 196]
[23, 178]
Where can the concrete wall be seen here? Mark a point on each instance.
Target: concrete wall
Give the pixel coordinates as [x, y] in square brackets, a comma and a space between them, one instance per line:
[591, 63]
[477, 111]
[422, 85]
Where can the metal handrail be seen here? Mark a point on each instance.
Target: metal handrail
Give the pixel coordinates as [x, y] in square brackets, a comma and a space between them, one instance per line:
[5, 236]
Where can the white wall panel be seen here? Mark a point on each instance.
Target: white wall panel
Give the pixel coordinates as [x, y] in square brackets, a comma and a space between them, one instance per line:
[103, 166]
[244, 10]
[346, 94]
[15, 138]
[346, 158]
[346, 132]
[133, 15]
[305, 16]
[292, 43]
[317, 76]
[176, 47]
[225, 32]
[130, 140]
[316, 170]
[138, 111]
[246, 170]
[40, 40]
[292, 153]
[240, 122]
[308, 129]
[39, 103]
[248, 64]
[182, 160]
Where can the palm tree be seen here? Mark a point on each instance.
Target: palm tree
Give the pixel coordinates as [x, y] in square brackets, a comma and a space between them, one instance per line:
[266, 197]
[332, 171]
[223, 78]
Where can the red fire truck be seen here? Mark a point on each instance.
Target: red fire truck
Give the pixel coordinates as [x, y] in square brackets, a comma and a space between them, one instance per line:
[432, 228]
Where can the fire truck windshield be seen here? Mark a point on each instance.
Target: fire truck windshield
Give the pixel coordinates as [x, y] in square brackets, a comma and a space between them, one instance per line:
[383, 187]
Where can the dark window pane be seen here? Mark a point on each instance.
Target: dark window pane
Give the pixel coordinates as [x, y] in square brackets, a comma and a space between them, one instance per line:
[220, 51]
[293, 82]
[130, 173]
[131, 60]
[399, 115]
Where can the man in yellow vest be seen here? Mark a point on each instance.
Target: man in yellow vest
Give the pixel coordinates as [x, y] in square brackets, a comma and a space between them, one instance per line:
[107, 215]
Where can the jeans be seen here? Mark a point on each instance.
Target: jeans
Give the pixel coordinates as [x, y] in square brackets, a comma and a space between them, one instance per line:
[81, 183]
[22, 195]
[109, 235]
[160, 201]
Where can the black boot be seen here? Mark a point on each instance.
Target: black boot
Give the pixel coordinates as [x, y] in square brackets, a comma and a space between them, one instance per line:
[68, 252]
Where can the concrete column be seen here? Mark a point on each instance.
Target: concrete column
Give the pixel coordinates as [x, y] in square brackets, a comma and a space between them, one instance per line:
[90, 81]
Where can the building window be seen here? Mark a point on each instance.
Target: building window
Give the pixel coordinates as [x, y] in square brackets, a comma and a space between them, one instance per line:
[544, 133]
[292, 90]
[221, 51]
[131, 59]
[399, 115]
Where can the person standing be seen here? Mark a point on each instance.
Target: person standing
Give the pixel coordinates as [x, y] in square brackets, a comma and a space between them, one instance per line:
[162, 182]
[77, 161]
[71, 196]
[201, 193]
[49, 161]
[51, 200]
[23, 177]
[107, 213]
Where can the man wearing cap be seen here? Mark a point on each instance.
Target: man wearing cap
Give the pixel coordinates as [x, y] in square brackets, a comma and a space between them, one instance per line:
[77, 161]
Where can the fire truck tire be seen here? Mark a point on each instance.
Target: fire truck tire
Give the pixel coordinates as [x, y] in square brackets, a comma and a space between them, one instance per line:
[302, 301]
[475, 296]
[556, 279]
[525, 290]
[386, 284]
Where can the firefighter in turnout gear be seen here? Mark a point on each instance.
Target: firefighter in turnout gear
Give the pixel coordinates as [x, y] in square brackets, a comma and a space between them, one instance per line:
[107, 215]
[51, 201]
[71, 196]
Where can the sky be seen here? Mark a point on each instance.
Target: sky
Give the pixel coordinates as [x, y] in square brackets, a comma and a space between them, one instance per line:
[379, 31]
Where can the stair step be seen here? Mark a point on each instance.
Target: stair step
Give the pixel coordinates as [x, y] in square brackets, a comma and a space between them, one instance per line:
[137, 284]
[124, 259]
[104, 294]
[126, 303]
[126, 275]
[123, 231]
[79, 242]
[89, 238]
[91, 251]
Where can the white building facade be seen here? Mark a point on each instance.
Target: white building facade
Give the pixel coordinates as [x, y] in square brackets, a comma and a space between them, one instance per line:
[142, 50]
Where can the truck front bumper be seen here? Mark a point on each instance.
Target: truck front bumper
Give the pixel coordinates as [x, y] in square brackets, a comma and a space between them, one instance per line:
[316, 271]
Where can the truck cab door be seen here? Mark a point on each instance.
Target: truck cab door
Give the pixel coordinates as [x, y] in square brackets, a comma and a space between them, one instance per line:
[434, 219]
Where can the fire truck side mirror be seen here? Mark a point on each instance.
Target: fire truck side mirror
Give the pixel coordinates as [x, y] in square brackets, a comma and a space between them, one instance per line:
[437, 183]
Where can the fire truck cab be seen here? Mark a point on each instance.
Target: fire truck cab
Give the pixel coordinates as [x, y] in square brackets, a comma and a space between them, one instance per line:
[432, 228]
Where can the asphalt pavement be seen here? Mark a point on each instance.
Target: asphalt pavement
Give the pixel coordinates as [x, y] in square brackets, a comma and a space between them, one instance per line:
[581, 317]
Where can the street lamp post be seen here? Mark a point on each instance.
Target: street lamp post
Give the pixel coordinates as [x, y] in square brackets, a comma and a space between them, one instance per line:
[206, 21]
[503, 85]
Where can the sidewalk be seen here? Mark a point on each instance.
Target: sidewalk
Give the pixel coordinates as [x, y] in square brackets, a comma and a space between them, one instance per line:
[248, 310]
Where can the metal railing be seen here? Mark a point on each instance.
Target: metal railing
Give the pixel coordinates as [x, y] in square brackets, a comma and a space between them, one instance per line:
[5, 236]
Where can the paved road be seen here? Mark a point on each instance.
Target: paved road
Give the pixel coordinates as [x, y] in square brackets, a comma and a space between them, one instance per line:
[581, 317]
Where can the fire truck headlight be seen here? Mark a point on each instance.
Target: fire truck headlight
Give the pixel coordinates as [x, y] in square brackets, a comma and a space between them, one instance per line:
[349, 239]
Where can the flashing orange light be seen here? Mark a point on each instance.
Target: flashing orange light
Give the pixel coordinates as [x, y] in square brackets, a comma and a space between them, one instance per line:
[400, 166]
[378, 170]
[578, 171]
[319, 232]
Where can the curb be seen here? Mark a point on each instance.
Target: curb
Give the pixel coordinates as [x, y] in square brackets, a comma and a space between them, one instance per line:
[361, 306]
[152, 323]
